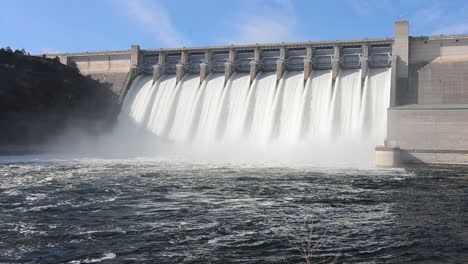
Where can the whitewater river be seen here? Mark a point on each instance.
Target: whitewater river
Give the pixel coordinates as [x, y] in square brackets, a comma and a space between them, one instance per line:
[170, 211]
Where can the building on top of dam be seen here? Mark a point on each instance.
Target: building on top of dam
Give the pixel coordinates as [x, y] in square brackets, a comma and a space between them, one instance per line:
[427, 121]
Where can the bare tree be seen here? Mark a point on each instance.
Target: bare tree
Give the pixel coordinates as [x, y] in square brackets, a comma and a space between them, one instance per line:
[306, 239]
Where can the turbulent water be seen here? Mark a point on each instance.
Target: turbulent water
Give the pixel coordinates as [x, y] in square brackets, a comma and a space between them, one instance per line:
[169, 211]
[236, 172]
[286, 119]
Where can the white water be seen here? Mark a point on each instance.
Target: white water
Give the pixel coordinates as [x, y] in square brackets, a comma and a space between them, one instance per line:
[316, 119]
[233, 108]
[287, 112]
[162, 104]
[346, 104]
[208, 108]
[182, 107]
[376, 98]
[265, 118]
[138, 100]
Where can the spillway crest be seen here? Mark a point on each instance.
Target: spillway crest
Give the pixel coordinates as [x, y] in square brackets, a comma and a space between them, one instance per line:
[264, 114]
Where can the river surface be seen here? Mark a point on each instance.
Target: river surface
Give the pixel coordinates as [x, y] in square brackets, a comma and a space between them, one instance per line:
[170, 211]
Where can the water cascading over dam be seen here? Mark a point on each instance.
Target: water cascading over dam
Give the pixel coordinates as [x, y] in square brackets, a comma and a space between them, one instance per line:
[264, 114]
[346, 104]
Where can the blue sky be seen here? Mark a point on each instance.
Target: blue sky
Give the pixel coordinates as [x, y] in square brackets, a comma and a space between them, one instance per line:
[84, 25]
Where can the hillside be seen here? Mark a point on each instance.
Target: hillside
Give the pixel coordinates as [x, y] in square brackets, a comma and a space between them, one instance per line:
[40, 98]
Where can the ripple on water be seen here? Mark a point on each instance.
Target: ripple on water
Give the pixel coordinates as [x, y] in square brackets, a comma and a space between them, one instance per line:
[88, 211]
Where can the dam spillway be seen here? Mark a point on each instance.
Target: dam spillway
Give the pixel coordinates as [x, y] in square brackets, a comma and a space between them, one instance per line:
[264, 112]
[426, 120]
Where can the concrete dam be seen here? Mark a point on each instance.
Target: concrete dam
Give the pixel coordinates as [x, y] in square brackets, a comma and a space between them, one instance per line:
[404, 100]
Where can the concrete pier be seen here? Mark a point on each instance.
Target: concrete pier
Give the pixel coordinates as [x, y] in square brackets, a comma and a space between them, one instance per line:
[335, 64]
[364, 64]
[401, 51]
[229, 65]
[308, 63]
[159, 69]
[387, 157]
[205, 66]
[255, 64]
[135, 55]
[281, 64]
[182, 66]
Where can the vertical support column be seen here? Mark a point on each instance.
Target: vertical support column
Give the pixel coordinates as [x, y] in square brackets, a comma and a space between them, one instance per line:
[254, 65]
[205, 66]
[364, 64]
[400, 49]
[136, 60]
[335, 63]
[389, 155]
[160, 68]
[229, 65]
[281, 64]
[135, 56]
[308, 62]
[182, 66]
[393, 82]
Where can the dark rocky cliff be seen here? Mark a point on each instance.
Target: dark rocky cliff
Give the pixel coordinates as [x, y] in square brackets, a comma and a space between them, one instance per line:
[41, 98]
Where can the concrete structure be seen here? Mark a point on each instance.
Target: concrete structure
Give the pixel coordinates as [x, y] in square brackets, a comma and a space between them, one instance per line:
[335, 63]
[119, 68]
[428, 114]
[113, 68]
[281, 64]
[229, 65]
[255, 64]
[386, 157]
[428, 117]
[436, 133]
[205, 66]
[364, 64]
[308, 63]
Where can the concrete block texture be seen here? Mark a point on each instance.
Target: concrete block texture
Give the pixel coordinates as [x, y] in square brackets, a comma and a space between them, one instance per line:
[308, 62]
[443, 83]
[93, 64]
[114, 81]
[387, 157]
[407, 157]
[428, 129]
[335, 62]
[401, 47]
[438, 71]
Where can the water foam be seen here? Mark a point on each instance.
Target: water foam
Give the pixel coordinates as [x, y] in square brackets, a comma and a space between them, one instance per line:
[287, 120]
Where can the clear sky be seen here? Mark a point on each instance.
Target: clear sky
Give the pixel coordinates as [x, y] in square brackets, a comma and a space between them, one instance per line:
[49, 26]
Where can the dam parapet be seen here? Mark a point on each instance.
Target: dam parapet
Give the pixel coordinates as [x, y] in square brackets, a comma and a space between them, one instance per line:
[117, 66]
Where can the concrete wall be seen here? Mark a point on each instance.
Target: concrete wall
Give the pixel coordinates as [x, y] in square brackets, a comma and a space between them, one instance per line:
[101, 63]
[428, 122]
[436, 157]
[432, 128]
[419, 134]
[400, 50]
[110, 68]
[438, 70]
